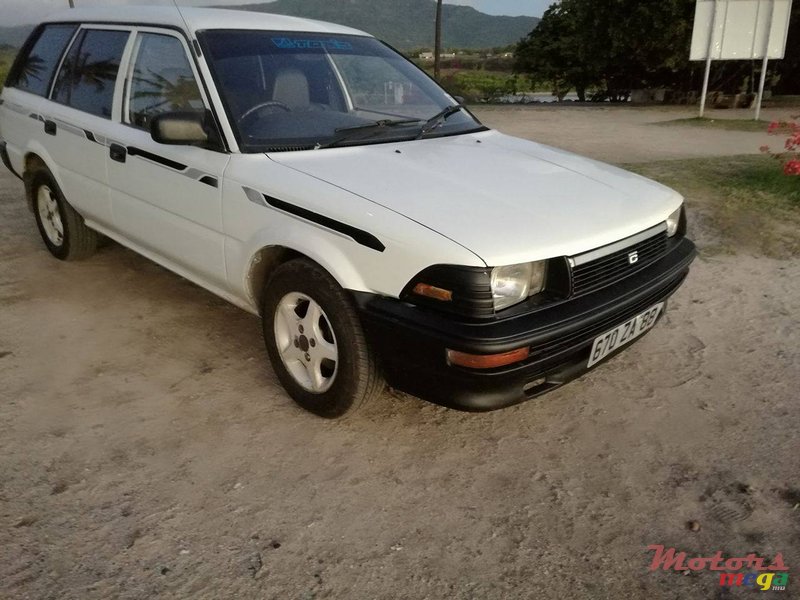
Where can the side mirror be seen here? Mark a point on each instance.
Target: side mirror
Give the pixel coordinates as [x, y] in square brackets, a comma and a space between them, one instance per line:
[459, 99]
[184, 128]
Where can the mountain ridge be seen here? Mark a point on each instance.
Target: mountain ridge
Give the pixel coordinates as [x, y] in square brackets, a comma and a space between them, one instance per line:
[405, 24]
[408, 24]
[15, 36]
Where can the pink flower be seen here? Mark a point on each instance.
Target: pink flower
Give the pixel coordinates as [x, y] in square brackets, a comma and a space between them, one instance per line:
[791, 157]
[792, 167]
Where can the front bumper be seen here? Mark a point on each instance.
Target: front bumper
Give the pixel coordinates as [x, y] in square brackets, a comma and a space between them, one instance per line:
[411, 342]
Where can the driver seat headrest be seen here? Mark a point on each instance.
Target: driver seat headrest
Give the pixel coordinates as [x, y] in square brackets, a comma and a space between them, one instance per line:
[291, 88]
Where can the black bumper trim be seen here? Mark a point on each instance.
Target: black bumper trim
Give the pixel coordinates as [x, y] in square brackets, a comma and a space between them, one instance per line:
[412, 341]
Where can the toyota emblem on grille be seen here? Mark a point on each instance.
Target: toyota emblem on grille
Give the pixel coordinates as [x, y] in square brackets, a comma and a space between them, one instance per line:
[633, 257]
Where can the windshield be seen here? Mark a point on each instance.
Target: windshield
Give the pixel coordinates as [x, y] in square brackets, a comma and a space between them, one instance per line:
[292, 91]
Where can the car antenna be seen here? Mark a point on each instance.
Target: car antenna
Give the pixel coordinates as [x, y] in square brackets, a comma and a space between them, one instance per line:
[195, 45]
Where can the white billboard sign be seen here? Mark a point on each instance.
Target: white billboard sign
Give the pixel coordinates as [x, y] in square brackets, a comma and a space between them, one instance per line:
[740, 29]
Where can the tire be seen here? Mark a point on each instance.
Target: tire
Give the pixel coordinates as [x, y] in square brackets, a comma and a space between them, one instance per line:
[315, 341]
[62, 229]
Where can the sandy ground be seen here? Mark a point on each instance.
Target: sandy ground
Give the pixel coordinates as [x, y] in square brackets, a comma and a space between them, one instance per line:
[147, 450]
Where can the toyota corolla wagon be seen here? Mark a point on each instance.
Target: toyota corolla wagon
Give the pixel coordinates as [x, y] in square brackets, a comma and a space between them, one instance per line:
[310, 174]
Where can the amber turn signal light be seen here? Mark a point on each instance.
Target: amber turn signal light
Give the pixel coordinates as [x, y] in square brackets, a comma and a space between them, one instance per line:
[431, 291]
[487, 361]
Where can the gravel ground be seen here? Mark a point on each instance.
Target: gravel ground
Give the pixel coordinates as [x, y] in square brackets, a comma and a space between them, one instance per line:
[148, 451]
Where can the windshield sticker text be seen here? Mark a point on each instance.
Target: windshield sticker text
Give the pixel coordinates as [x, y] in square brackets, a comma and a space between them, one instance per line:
[291, 44]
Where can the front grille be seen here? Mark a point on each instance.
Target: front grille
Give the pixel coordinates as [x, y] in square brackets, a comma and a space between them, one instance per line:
[609, 269]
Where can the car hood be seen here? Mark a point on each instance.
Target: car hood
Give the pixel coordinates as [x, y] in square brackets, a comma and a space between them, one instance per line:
[505, 199]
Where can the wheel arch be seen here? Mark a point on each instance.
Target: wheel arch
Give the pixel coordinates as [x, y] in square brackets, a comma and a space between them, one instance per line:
[33, 159]
[266, 259]
[262, 265]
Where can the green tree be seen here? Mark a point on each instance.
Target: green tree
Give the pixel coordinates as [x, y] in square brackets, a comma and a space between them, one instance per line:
[639, 44]
[789, 67]
[610, 44]
[555, 53]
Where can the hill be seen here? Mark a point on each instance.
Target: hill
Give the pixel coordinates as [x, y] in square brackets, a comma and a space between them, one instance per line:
[14, 36]
[409, 23]
[403, 23]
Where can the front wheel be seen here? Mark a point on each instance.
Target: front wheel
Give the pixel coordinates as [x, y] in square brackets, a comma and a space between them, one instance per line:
[315, 341]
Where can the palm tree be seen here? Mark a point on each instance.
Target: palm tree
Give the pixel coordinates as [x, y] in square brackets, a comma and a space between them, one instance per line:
[437, 51]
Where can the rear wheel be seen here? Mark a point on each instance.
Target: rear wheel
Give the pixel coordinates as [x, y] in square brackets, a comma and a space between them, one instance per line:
[315, 341]
[62, 229]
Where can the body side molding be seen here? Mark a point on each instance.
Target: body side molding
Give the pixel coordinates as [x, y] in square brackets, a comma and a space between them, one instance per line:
[357, 235]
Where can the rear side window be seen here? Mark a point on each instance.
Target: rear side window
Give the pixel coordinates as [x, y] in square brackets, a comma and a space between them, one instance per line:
[87, 78]
[34, 73]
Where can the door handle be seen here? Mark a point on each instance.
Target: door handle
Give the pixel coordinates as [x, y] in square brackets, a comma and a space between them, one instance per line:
[50, 127]
[118, 152]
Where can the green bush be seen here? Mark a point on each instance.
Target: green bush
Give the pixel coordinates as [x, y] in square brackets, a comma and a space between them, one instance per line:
[482, 86]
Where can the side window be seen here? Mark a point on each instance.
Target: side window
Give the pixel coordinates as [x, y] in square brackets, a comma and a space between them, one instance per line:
[87, 78]
[161, 80]
[35, 72]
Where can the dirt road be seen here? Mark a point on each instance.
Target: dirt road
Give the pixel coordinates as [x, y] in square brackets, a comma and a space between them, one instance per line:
[629, 134]
[147, 450]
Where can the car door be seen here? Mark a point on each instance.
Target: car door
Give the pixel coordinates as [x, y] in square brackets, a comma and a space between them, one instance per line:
[27, 86]
[76, 119]
[166, 199]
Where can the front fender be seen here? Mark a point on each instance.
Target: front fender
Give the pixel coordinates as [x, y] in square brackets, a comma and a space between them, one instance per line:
[251, 224]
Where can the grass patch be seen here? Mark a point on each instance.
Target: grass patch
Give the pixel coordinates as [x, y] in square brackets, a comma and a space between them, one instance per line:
[724, 124]
[738, 203]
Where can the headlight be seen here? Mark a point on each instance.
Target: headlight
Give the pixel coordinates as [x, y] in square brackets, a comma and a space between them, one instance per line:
[673, 222]
[515, 283]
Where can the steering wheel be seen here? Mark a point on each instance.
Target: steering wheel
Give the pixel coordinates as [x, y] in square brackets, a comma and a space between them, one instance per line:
[263, 105]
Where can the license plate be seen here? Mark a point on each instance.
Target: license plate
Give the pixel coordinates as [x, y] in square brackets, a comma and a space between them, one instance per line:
[623, 334]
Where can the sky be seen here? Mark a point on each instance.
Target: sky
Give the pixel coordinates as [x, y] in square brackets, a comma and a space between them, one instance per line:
[514, 8]
[18, 12]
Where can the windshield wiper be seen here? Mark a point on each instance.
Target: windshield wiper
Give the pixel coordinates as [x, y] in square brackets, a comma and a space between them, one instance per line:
[348, 133]
[438, 119]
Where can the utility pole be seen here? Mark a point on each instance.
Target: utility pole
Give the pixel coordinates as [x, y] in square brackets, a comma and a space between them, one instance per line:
[72, 3]
[437, 51]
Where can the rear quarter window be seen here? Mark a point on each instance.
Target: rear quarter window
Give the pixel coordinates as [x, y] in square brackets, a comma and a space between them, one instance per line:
[33, 71]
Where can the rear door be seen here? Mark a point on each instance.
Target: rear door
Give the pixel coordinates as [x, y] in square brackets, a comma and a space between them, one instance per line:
[166, 199]
[77, 118]
[27, 86]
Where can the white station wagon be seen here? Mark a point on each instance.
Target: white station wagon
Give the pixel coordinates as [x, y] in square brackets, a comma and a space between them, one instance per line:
[310, 174]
